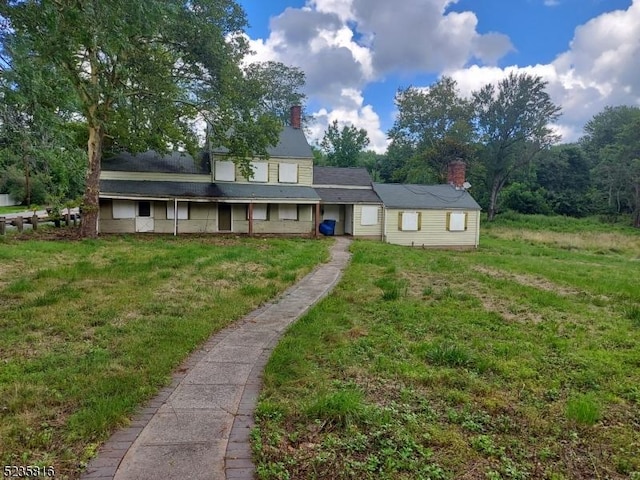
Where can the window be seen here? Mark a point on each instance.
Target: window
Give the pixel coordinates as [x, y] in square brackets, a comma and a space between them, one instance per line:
[288, 173]
[123, 209]
[260, 172]
[260, 211]
[183, 211]
[331, 212]
[456, 221]
[225, 171]
[288, 212]
[144, 209]
[369, 215]
[409, 221]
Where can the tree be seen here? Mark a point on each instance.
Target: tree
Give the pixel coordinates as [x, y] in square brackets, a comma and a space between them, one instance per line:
[612, 144]
[513, 124]
[563, 172]
[142, 72]
[39, 157]
[343, 147]
[280, 86]
[432, 128]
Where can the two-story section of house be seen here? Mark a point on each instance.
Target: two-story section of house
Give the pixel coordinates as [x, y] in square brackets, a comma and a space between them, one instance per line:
[179, 194]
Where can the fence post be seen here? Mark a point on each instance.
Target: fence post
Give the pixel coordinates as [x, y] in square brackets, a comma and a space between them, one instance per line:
[19, 223]
[67, 218]
[3, 225]
[34, 222]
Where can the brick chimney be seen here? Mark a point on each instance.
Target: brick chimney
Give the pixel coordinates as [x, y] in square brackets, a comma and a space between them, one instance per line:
[456, 174]
[296, 117]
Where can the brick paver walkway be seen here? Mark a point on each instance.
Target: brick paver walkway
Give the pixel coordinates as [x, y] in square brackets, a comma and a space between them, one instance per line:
[198, 427]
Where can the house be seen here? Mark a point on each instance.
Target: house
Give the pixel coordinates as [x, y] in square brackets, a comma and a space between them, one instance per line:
[180, 194]
[442, 216]
[287, 194]
[347, 196]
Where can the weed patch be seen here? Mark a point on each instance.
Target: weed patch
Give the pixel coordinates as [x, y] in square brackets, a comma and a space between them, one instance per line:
[515, 361]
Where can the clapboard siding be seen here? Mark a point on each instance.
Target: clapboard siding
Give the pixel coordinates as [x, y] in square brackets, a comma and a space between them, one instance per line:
[433, 231]
[366, 230]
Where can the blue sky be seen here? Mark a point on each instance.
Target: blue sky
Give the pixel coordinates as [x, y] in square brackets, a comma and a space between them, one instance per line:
[357, 53]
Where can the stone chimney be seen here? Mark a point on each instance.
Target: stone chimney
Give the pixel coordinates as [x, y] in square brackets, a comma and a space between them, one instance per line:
[296, 117]
[456, 174]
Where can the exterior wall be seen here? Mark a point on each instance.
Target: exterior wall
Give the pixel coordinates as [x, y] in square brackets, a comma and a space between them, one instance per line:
[108, 224]
[433, 232]
[369, 231]
[305, 171]
[6, 200]
[304, 225]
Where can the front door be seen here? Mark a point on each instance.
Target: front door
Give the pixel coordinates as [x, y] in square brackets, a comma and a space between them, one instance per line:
[224, 217]
[144, 217]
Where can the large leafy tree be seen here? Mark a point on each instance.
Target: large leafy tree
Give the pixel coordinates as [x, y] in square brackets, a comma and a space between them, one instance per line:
[343, 146]
[612, 144]
[40, 161]
[281, 87]
[513, 121]
[142, 72]
[433, 127]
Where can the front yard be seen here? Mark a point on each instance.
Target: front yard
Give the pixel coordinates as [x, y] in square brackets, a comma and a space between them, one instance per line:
[91, 329]
[517, 361]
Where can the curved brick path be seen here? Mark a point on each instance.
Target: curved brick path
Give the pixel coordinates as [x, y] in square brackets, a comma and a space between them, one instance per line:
[198, 427]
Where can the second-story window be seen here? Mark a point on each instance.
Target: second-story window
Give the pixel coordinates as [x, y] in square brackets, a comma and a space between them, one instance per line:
[225, 171]
[288, 173]
[260, 172]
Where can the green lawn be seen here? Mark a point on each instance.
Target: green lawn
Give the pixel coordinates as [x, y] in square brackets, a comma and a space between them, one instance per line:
[92, 329]
[520, 360]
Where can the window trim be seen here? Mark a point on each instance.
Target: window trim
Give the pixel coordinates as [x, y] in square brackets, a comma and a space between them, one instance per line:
[418, 221]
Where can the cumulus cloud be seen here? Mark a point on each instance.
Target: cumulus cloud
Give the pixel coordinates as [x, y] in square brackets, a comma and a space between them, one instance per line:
[599, 69]
[342, 45]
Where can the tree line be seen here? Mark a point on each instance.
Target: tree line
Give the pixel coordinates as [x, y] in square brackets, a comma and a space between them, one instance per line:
[504, 134]
[84, 79]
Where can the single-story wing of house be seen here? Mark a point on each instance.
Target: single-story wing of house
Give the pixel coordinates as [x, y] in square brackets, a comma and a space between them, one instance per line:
[438, 216]
[287, 195]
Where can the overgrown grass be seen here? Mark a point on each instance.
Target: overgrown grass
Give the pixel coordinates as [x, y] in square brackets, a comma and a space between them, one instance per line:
[91, 329]
[12, 209]
[520, 360]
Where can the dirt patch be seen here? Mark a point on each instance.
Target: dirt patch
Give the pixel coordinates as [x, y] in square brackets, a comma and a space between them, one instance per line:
[528, 281]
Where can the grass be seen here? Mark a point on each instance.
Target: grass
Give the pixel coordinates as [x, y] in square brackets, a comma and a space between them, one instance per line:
[12, 209]
[92, 329]
[516, 361]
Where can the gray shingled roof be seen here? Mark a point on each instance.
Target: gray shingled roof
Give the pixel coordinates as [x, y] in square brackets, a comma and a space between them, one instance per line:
[142, 188]
[431, 197]
[353, 176]
[292, 144]
[151, 161]
[347, 195]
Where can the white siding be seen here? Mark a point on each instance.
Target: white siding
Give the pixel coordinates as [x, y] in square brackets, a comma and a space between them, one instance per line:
[374, 231]
[433, 230]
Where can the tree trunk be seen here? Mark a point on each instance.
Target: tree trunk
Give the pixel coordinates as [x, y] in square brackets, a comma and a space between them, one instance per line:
[91, 203]
[493, 201]
[636, 218]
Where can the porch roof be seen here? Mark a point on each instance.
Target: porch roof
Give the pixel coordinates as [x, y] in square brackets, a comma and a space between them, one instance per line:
[212, 191]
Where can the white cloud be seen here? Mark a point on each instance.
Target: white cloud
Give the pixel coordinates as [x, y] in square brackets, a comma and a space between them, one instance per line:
[350, 110]
[343, 45]
[599, 69]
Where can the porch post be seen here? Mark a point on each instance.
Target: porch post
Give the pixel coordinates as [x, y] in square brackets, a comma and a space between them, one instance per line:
[250, 219]
[317, 232]
[175, 217]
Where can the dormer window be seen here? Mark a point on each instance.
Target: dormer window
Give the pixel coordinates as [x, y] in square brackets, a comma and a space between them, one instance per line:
[260, 172]
[288, 173]
[225, 171]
